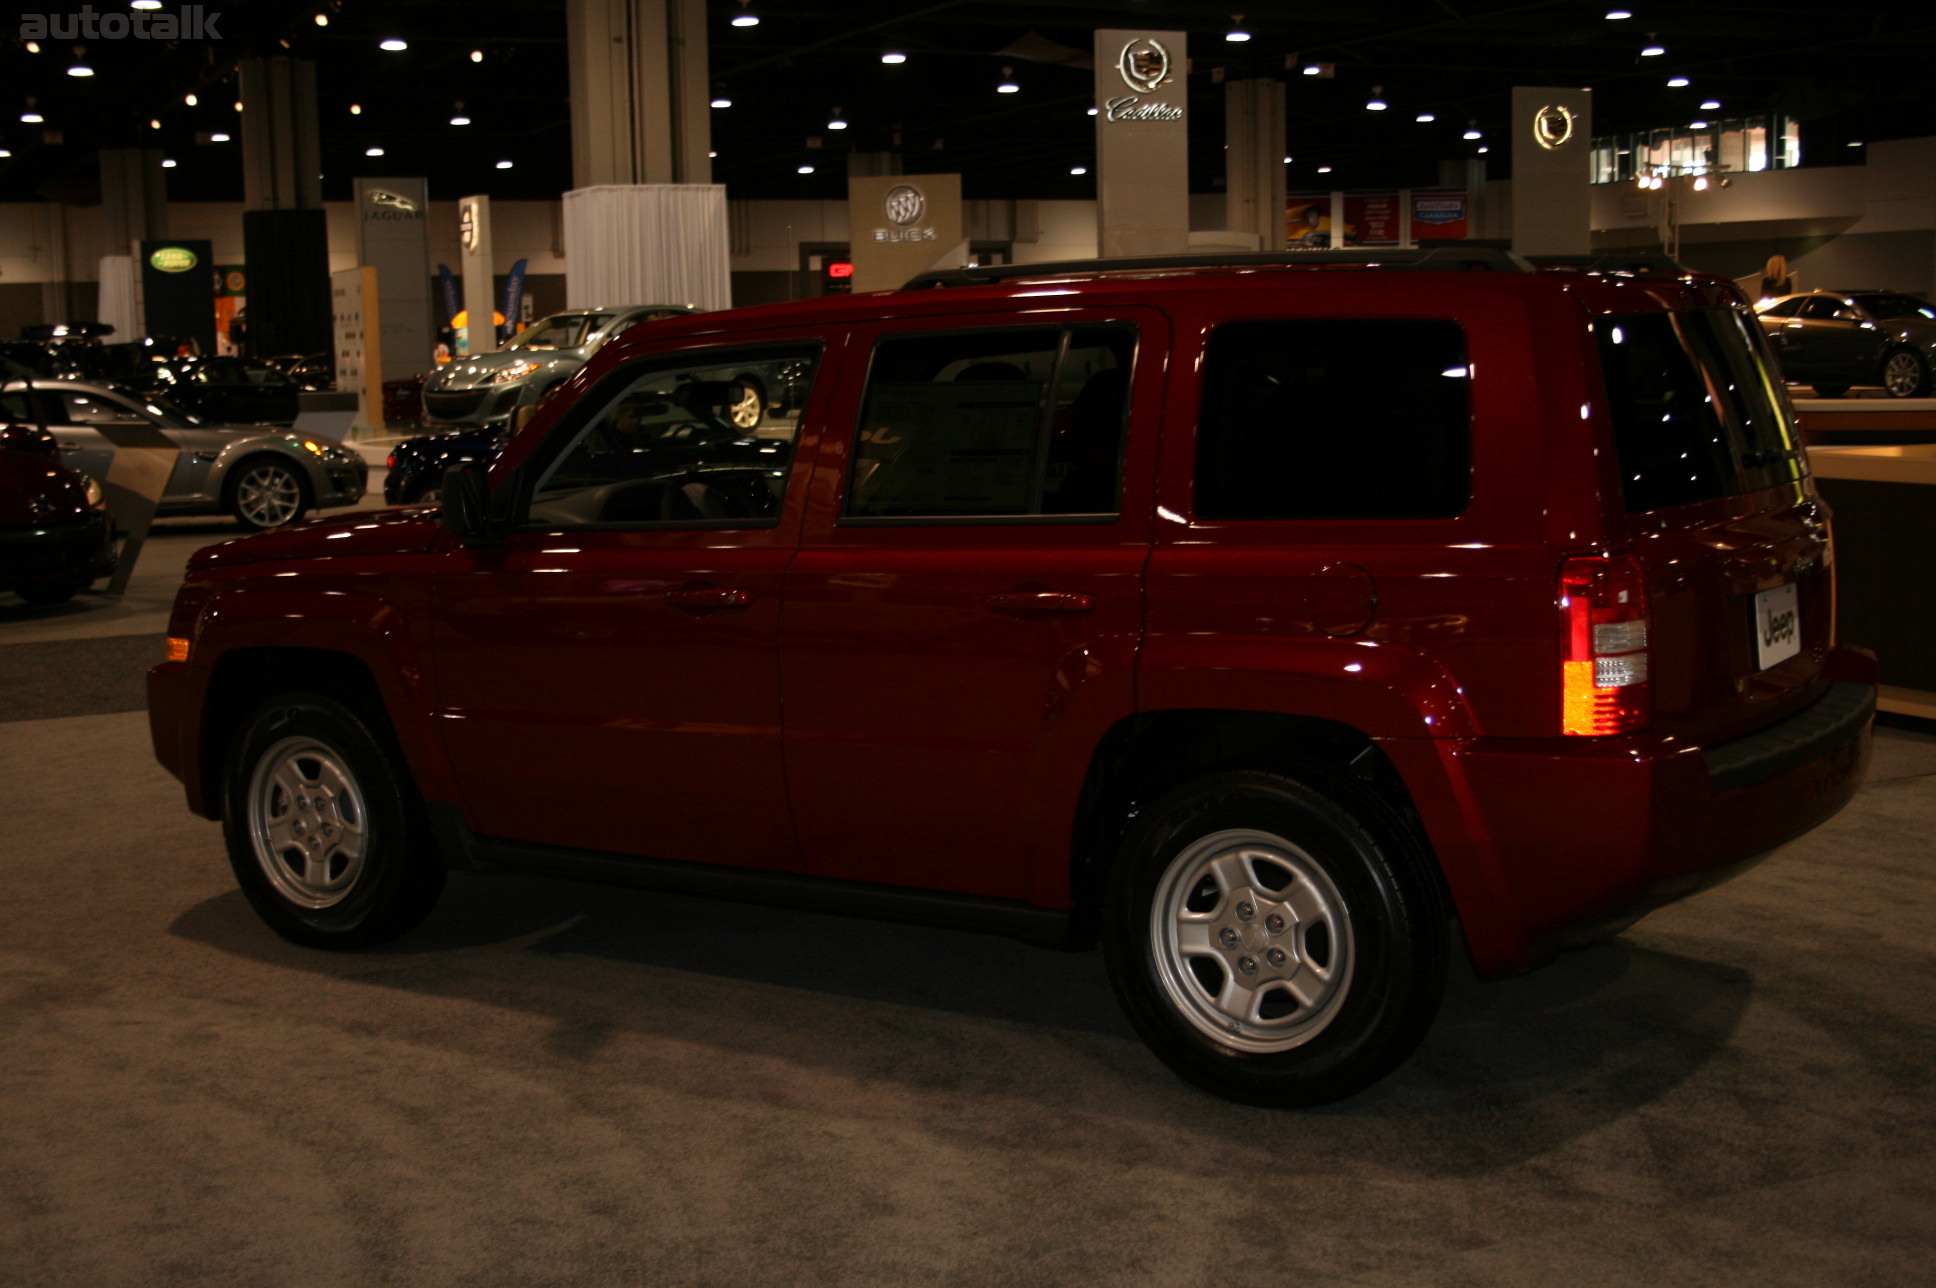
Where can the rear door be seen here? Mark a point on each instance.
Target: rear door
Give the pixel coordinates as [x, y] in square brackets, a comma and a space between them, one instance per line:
[963, 616]
[1717, 504]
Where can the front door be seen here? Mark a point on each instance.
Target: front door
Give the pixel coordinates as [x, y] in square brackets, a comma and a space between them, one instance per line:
[963, 616]
[609, 678]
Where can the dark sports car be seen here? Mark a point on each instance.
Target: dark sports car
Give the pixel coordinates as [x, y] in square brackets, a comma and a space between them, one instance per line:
[1835, 340]
[55, 535]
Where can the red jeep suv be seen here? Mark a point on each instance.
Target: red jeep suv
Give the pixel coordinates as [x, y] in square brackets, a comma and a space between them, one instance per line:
[1277, 624]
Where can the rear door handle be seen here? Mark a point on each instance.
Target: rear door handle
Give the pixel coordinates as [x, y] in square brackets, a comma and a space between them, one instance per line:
[699, 600]
[1041, 601]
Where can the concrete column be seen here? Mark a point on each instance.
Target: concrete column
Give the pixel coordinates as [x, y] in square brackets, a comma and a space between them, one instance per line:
[1142, 143]
[134, 198]
[1254, 159]
[1552, 194]
[282, 166]
[639, 92]
[474, 236]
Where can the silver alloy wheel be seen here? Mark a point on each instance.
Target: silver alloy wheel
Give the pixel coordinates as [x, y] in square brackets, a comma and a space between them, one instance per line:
[268, 495]
[1252, 941]
[307, 822]
[1902, 374]
[745, 409]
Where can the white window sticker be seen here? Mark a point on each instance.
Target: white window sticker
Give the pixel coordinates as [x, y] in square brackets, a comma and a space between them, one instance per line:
[1778, 626]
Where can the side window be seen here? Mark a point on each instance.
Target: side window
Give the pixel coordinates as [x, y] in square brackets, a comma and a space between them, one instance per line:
[1821, 308]
[1787, 308]
[677, 445]
[86, 409]
[1013, 423]
[1334, 418]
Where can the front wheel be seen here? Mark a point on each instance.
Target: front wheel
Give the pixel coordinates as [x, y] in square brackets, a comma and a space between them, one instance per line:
[1273, 942]
[323, 827]
[267, 494]
[1905, 374]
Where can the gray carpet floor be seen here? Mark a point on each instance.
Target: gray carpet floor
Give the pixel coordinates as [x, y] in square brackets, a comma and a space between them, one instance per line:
[564, 1085]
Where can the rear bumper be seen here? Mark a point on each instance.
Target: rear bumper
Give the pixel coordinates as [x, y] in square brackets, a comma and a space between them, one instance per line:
[1572, 839]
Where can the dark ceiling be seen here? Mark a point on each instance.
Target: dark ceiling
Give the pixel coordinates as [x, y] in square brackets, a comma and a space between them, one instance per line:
[1852, 72]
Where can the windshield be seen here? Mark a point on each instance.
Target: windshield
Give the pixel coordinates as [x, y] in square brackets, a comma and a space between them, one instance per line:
[1892, 308]
[562, 331]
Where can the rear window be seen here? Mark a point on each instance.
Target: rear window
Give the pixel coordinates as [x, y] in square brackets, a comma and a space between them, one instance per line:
[1327, 418]
[1697, 412]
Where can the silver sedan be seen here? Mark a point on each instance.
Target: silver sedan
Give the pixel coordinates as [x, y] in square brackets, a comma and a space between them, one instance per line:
[263, 476]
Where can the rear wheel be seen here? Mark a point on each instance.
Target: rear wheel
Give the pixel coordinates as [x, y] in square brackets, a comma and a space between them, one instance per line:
[1273, 941]
[748, 404]
[323, 827]
[1905, 374]
[267, 493]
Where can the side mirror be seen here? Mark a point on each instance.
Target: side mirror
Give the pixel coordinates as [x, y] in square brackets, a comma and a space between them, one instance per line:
[477, 514]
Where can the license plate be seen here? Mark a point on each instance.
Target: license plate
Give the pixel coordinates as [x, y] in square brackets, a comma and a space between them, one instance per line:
[1778, 626]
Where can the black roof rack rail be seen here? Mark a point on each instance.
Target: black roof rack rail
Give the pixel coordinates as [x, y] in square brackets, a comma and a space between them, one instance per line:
[1640, 262]
[1484, 258]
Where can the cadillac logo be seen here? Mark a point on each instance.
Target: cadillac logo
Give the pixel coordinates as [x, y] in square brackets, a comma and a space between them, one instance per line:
[384, 198]
[467, 230]
[1552, 126]
[1144, 64]
[904, 205]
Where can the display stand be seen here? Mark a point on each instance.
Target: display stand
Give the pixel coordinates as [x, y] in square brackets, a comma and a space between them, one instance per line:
[1884, 499]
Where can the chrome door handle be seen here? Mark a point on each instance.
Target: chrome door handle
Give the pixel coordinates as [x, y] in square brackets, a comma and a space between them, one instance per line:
[1041, 601]
[699, 600]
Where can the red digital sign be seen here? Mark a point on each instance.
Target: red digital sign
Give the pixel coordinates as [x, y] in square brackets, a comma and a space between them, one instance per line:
[840, 269]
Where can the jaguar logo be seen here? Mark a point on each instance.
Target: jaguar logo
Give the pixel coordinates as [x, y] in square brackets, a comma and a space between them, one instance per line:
[384, 199]
[1552, 126]
[904, 205]
[1144, 64]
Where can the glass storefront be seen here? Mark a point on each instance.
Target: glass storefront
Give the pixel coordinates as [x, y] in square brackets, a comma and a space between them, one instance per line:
[1733, 145]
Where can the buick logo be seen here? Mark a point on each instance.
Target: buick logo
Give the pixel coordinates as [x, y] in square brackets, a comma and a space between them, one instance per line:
[1552, 126]
[1144, 64]
[904, 205]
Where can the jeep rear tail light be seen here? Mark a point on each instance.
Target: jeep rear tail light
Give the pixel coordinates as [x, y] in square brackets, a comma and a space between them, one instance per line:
[1604, 687]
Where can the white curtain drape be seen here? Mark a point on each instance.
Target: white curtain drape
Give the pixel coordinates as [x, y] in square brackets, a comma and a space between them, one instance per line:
[656, 243]
[117, 305]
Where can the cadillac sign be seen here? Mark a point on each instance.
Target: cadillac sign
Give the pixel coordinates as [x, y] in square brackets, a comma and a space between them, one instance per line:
[1144, 65]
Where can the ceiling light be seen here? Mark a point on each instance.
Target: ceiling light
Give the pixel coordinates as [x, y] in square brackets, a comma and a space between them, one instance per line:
[1425, 118]
[504, 165]
[1094, 112]
[144, 4]
[1008, 85]
[32, 118]
[460, 120]
[356, 109]
[168, 163]
[80, 69]
[33, 47]
[1697, 125]
[322, 20]
[1236, 34]
[1287, 160]
[477, 55]
[722, 101]
[4, 154]
[893, 58]
[1324, 169]
[393, 45]
[1712, 105]
[745, 17]
[154, 125]
[1855, 143]
[1472, 132]
[1312, 69]
[190, 99]
[1484, 150]
[1678, 82]
[1078, 169]
[805, 169]
[372, 152]
[218, 138]
[1615, 15]
[238, 104]
[1700, 184]
[1652, 50]
[1376, 102]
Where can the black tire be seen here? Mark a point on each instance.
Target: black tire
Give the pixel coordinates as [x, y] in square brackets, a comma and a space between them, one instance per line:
[55, 594]
[1830, 391]
[311, 780]
[1905, 374]
[429, 492]
[1303, 905]
[265, 492]
[748, 407]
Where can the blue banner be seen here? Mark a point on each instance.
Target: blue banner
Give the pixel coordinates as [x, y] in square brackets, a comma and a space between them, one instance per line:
[451, 307]
[513, 300]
